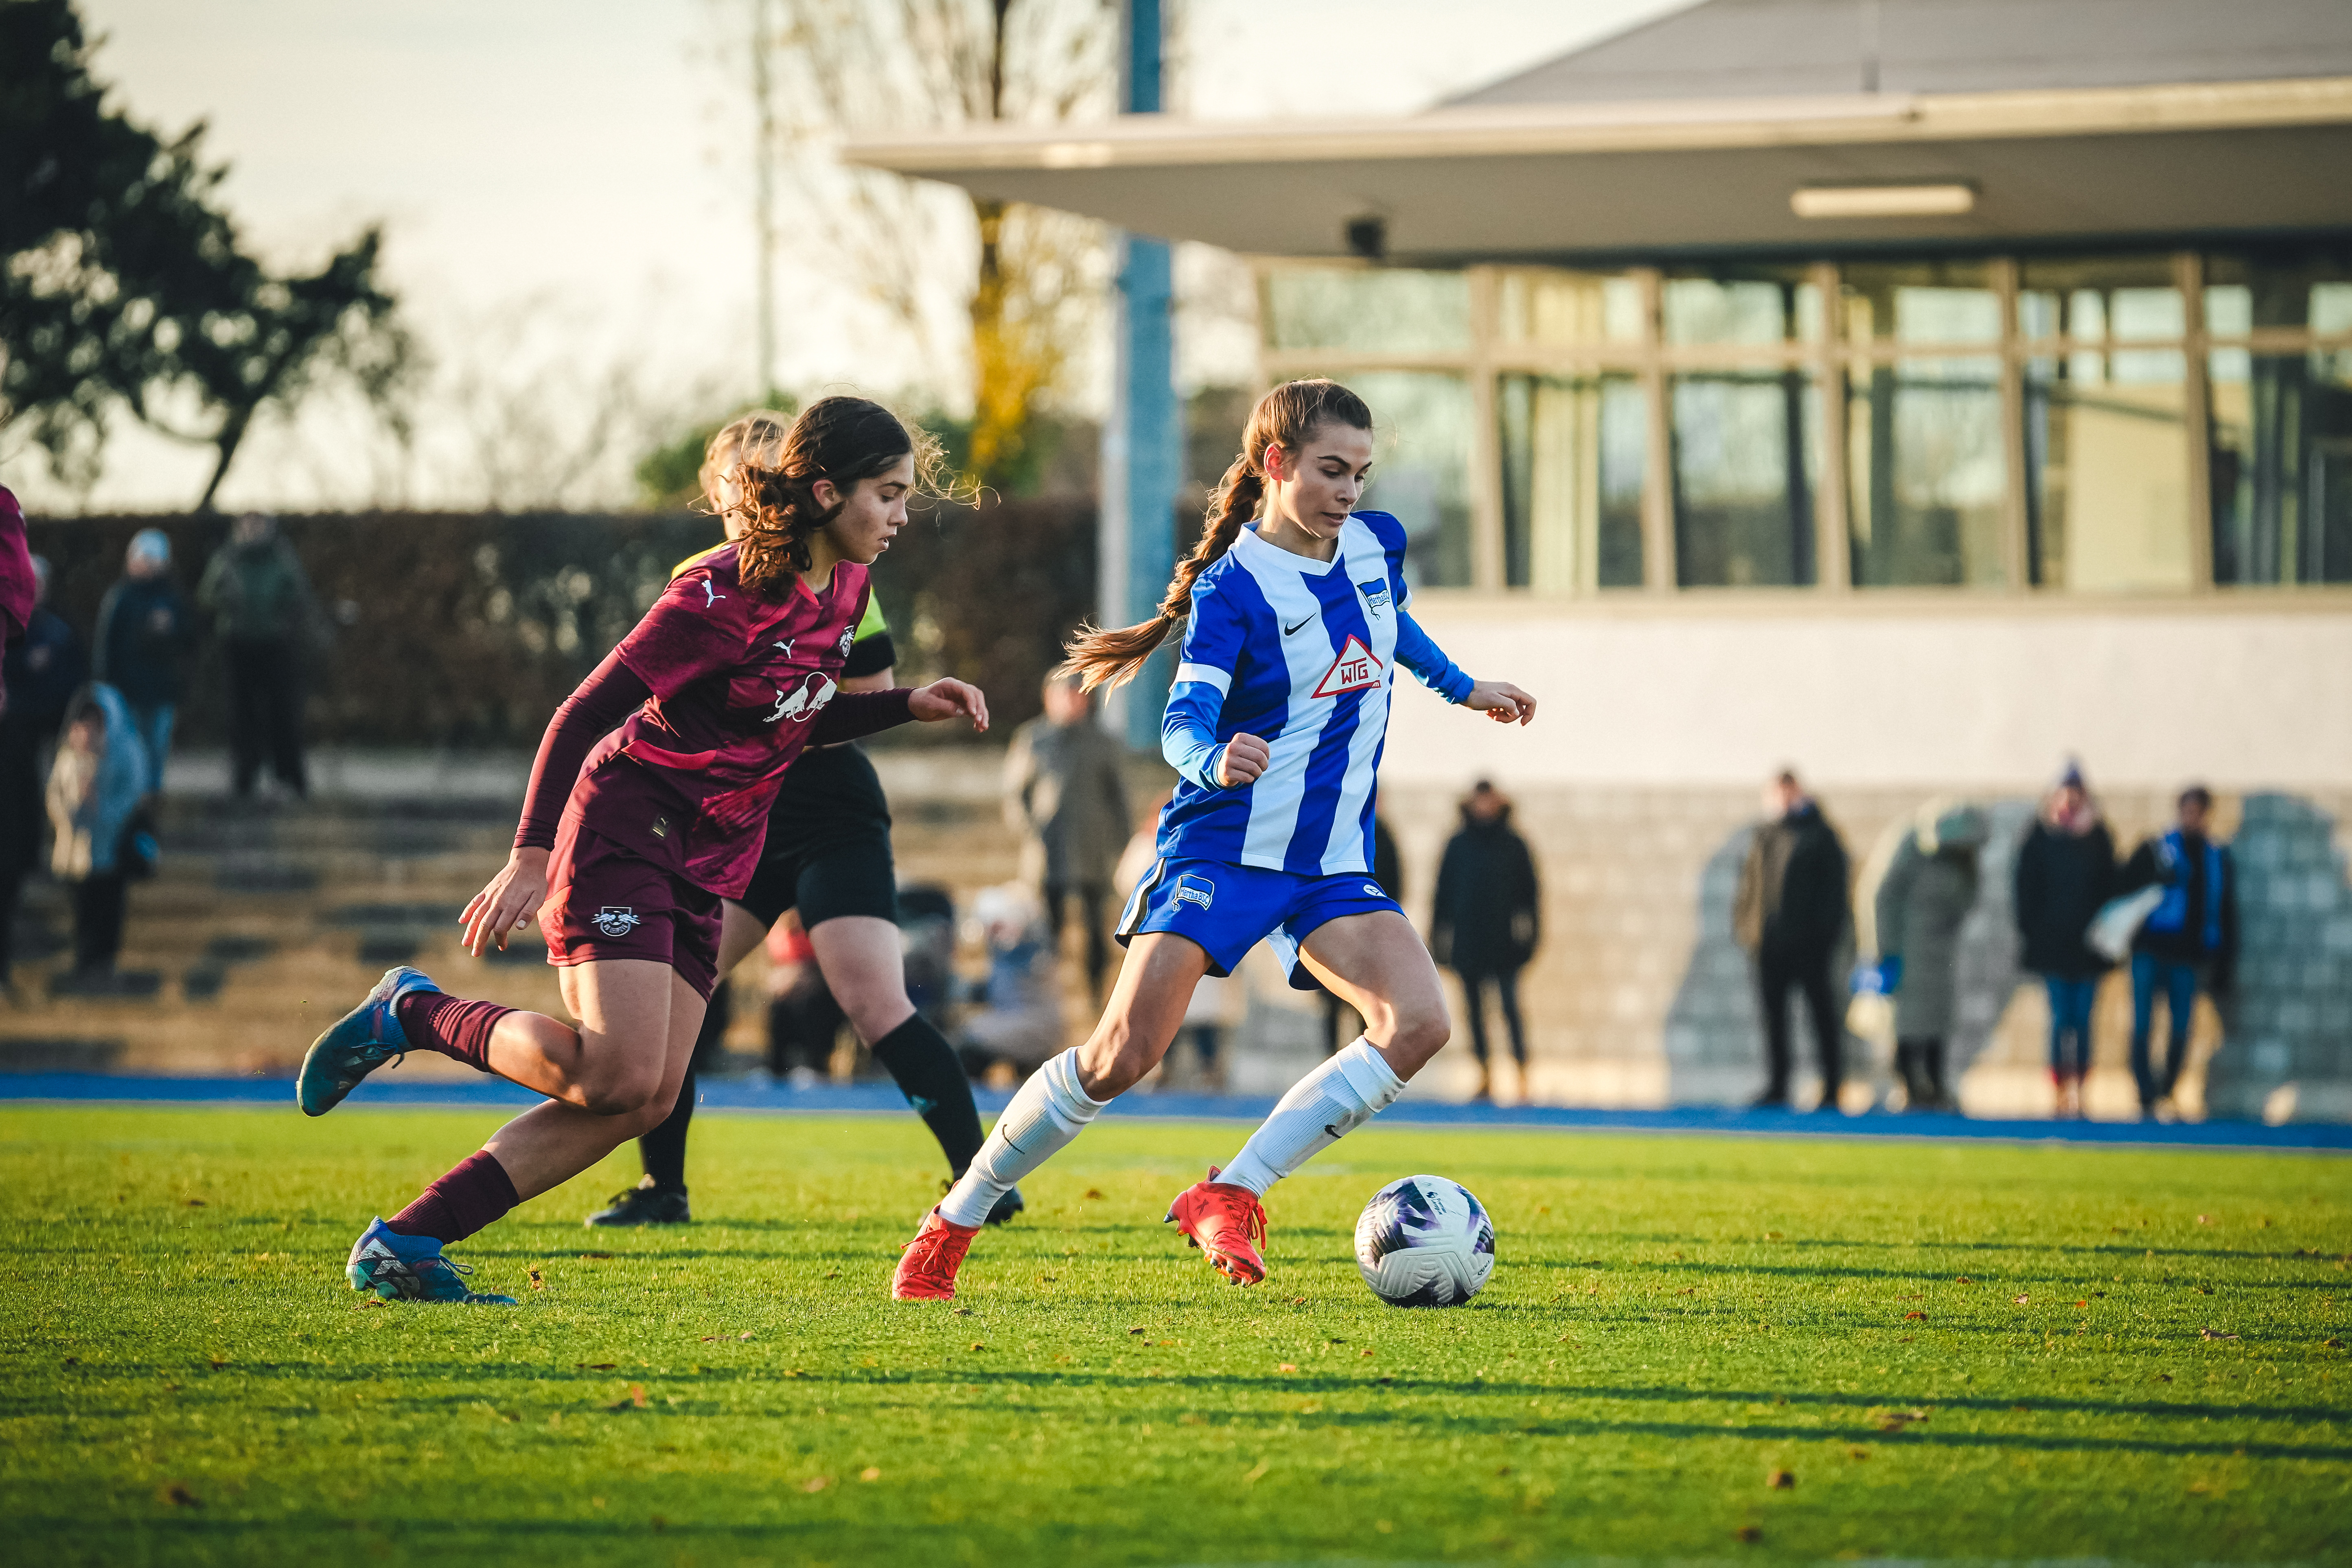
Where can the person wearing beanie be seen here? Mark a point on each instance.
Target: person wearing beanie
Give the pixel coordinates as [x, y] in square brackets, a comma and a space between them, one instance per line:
[145, 629]
[2066, 871]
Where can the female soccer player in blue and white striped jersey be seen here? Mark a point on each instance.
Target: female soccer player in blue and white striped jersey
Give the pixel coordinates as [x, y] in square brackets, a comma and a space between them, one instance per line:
[1293, 606]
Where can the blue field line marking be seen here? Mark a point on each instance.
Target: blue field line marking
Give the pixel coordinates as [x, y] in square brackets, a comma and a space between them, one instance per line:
[758, 1095]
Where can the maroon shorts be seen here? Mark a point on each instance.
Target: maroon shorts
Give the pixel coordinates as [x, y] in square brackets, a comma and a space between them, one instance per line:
[604, 902]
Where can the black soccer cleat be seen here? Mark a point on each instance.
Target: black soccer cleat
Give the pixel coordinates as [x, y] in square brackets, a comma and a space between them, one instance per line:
[1006, 1207]
[645, 1203]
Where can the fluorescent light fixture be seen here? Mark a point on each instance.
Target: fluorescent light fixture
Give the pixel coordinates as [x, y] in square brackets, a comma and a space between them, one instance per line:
[1883, 201]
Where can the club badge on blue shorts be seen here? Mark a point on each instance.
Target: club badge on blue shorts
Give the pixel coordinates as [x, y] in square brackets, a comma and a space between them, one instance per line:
[1228, 910]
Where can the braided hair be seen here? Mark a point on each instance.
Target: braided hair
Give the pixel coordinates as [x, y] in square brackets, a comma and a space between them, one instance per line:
[1288, 417]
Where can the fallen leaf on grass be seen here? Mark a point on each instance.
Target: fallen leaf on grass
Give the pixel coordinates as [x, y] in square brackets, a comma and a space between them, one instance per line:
[2333, 1344]
[1781, 1480]
[870, 1473]
[176, 1494]
[1368, 1353]
[1094, 1192]
[835, 1275]
[1136, 1331]
[2019, 1300]
[1258, 1472]
[635, 1401]
[1298, 1300]
[2204, 1219]
[1749, 1533]
[978, 1346]
[1287, 1366]
[744, 1335]
[595, 1255]
[1914, 1317]
[2214, 1334]
[816, 1483]
[1963, 1279]
[1687, 1290]
[536, 1283]
[2086, 1306]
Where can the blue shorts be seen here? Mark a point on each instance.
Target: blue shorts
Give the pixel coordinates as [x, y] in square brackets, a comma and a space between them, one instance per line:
[1228, 910]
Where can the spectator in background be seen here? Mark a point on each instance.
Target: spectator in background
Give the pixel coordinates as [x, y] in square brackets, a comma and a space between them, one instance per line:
[1019, 1019]
[1388, 871]
[256, 586]
[144, 630]
[2189, 939]
[2065, 870]
[1789, 912]
[804, 1019]
[1064, 794]
[1930, 888]
[95, 786]
[1488, 919]
[42, 672]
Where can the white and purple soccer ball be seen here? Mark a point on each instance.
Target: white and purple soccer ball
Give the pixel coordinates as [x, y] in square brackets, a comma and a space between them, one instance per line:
[1425, 1242]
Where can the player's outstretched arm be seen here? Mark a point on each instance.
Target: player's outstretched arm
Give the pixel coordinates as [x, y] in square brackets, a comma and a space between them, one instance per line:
[1501, 701]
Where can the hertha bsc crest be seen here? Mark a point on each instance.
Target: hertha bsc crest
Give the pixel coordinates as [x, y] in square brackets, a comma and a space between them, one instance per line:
[617, 920]
[1354, 669]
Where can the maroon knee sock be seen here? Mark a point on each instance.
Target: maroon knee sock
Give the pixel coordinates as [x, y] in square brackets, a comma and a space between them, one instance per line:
[436, 1021]
[470, 1196]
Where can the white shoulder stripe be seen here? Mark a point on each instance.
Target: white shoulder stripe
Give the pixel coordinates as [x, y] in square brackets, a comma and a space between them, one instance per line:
[1207, 675]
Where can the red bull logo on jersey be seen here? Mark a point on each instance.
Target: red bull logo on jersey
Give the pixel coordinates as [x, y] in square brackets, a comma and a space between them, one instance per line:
[1356, 668]
[802, 702]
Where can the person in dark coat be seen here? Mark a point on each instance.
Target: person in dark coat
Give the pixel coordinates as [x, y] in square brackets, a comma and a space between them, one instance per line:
[1488, 919]
[42, 672]
[144, 631]
[2190, 939]
[2065, 870]
[1790, 909]
[256, 586]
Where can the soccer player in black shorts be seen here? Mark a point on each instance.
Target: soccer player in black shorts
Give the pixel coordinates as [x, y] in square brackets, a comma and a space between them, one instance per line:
[828, 856]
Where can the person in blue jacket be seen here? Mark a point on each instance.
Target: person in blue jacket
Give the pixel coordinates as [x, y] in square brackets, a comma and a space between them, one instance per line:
[2187, 941]
[96, 785]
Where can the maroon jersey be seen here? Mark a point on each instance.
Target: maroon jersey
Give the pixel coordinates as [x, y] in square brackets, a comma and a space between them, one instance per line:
[738, 680]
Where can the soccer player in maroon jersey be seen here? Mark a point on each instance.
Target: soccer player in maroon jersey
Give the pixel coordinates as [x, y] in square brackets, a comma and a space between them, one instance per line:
[646, 809]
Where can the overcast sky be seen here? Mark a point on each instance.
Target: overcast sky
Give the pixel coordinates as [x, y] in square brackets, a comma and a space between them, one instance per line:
[562, 186]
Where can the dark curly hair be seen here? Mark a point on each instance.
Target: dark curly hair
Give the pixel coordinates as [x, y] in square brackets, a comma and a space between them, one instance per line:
[775, 465]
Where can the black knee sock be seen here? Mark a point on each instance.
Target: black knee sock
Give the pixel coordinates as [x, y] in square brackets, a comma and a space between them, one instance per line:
[923, 1064]
[663, 1149]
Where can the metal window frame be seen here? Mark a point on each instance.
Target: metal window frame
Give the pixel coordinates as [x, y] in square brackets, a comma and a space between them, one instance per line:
[1831, 358]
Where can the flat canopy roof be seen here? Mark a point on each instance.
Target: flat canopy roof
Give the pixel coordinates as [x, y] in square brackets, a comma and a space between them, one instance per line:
[1693, 176]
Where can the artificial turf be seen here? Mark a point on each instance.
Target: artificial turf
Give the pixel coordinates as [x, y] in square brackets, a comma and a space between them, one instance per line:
[1945, 1351]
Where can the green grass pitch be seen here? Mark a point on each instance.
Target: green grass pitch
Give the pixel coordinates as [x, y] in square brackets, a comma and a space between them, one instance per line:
[1692, 1349]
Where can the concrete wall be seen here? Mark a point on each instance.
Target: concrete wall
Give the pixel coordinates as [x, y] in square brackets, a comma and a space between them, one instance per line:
[2245, 690]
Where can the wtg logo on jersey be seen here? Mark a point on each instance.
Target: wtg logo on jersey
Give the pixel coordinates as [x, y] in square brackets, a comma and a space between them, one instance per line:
[617, 920]
[1376, 594]
[1193, 890]
[1356, 668]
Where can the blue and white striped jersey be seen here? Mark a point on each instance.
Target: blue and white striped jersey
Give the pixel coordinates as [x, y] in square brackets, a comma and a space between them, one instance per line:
[1301, 654]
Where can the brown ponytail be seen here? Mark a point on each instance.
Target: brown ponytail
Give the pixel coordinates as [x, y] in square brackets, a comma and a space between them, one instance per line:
[1287, 417]
[776, 467]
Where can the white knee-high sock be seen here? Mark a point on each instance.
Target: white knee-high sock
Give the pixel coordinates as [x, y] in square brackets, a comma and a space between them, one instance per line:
[1046, 1113]
[1345, 1092]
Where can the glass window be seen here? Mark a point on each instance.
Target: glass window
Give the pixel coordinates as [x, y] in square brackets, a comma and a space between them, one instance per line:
[1566, 308]
[1420, 467]
[1921, 303]
[2282, 468]
[1746, 464]
[2278, 289]
[1372, 311]
[2106, 490]
[1783, 305]
[1925, 472]
[1574, 450]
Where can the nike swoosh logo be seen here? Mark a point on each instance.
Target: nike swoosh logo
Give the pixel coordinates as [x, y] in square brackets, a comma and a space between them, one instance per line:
[1333, 1130]
[1287, 630]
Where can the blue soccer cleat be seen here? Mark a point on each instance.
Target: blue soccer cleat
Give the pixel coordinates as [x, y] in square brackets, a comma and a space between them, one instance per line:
[367, 1036]
[411, 1268]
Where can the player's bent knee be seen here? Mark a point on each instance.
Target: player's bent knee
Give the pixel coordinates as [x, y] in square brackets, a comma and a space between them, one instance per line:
[625, 1094]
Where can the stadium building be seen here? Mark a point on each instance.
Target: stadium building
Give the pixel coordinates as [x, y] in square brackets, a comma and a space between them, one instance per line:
[1915, 392]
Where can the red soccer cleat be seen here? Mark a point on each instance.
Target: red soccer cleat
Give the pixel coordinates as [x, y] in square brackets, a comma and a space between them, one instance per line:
[927, 1272]
[1227, 1223]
